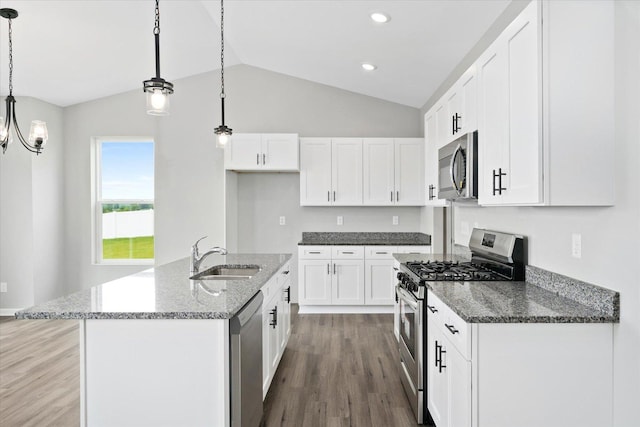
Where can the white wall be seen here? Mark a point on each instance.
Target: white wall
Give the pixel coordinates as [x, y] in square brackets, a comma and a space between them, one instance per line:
[31, 211]
[610, 235]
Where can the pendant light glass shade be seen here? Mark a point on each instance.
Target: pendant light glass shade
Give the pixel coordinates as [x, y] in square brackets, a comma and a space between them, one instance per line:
[38, 134]
[158, 102]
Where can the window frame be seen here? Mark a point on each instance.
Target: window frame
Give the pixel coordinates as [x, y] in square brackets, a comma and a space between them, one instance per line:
[97, 202]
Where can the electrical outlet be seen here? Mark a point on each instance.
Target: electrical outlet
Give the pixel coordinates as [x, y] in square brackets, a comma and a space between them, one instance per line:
[394, 220]
[283, 220]
[3, 287]
[339, 222]
[576, 245]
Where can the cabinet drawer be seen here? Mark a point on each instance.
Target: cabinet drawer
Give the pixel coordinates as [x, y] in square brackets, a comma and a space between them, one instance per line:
[284, 275]
[314, 252]
[414, 250]
[452, 326]
[269, 289]
[347, 252]
[379, 252]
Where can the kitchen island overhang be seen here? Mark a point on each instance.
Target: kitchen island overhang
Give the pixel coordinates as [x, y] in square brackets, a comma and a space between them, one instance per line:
[154, 346]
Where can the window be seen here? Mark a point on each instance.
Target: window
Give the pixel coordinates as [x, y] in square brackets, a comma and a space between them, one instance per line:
[124, 217]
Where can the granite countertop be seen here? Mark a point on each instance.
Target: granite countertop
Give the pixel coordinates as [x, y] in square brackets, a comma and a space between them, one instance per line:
[164, 292]
[544, 297]
[365, 239]
[513, 302]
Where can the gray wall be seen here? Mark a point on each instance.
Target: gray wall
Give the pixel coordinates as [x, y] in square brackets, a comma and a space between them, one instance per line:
[263, 101]
[32, 211]
[610, 235]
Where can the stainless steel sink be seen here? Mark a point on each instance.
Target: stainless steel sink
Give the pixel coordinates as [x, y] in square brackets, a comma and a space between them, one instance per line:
[227, 272]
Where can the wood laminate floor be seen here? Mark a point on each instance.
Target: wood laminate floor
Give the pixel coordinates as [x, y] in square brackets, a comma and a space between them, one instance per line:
[338, 370]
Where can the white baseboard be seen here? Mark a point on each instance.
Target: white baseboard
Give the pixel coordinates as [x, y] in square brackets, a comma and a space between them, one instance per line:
[345, 309]
[9, 311]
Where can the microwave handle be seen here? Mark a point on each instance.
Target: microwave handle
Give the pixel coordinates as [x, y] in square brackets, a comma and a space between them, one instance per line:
[451, 166]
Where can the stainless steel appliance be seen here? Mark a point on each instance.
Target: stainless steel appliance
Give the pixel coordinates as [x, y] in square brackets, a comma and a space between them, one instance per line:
[494, 256]
[458, 168]
[245, 349]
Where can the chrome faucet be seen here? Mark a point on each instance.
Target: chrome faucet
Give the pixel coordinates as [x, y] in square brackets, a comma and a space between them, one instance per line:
[196, 258]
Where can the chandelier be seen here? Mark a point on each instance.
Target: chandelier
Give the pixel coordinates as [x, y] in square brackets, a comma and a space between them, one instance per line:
[38, 134]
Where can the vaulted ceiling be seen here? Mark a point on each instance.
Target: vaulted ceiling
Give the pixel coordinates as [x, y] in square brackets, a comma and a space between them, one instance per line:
[67, 52]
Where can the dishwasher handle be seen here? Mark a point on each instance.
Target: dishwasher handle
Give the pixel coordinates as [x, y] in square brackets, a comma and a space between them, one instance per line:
[245, 313]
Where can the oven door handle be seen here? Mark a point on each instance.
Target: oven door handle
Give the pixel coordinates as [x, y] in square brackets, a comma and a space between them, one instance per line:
[405, 296]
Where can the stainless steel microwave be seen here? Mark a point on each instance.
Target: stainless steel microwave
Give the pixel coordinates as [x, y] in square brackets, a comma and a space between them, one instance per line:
[458, 168]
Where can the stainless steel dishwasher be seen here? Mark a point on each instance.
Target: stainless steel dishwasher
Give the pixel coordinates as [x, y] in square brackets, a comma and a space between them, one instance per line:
[245, 331]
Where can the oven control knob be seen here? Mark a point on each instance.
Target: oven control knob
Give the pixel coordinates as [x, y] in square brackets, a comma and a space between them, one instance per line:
[399, 276]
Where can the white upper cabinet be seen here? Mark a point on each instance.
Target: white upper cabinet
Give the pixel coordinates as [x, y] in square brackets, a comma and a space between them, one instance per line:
[346, 171]
[262, 152]
[379, 171]
[409, 175]
[393, 171]
[315, 171]
[431, 169]
[330, 171]
[545, 108]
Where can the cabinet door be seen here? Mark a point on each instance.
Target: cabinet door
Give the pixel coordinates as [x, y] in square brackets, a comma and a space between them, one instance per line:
[523, 158]
[284, 316]
[348, 282]
[468, 101]
[380, 282]
[437, 385]
[492, 119]
[459, 384]
[314, 281]
[280, 152]
[442, 125]
[431, 161]
[315, 171]
[379, 168]
[409, 172]
[454, 105]
[243, 152]
[274, 339]
[346, 168]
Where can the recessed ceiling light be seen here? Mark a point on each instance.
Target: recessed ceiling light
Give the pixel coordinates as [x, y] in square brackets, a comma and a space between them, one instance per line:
[380, 17]
[368, 67]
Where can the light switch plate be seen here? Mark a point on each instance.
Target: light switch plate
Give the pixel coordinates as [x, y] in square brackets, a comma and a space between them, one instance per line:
[283, 220]
[394, 220]
[3, 287]
[339, 221]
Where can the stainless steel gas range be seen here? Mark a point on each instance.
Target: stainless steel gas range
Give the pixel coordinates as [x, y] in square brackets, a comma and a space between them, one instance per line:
[494, 256]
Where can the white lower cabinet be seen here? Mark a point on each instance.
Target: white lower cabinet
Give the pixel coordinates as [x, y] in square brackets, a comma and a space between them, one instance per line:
[349, 275]
[276, 324]
[517, 374]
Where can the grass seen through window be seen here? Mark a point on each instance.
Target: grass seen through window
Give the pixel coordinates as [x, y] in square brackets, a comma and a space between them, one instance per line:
[128, 248]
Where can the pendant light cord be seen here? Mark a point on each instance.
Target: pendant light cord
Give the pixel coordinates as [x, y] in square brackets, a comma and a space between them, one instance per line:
[10, 59]
[156, 29]
[222, 95]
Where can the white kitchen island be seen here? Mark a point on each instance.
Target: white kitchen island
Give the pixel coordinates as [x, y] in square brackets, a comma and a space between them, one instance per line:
[154, 346]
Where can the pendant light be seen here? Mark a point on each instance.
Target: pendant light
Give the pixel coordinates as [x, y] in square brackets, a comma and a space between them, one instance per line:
[157, 88]
[38, 133]
[223, 132]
